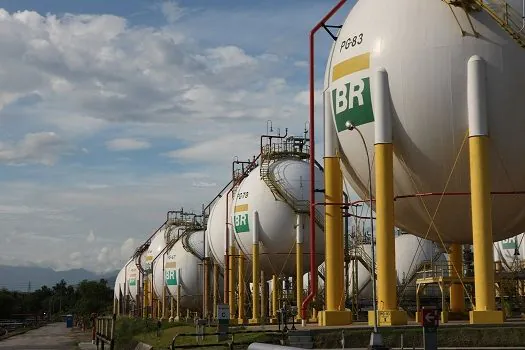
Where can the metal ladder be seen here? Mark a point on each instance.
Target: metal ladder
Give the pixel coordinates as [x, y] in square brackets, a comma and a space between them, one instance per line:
[508, 18]
[279, 190]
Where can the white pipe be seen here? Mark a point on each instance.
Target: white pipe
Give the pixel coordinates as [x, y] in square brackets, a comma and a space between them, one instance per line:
[255, 227]
[299, 230]
[330, 136]
[383, 111]
[477, 95]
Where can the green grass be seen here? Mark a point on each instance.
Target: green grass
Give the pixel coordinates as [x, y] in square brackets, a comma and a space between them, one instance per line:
[166, 336]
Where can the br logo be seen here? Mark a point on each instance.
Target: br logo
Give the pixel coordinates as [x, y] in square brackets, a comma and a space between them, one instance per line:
[352, 102]
[171, 277]
[241, 223]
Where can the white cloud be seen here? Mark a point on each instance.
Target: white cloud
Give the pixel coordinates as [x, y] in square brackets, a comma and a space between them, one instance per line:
[78, 76]
[91, 237]
[40, 148]
[127, 144]
[172, 11]
[219, 150]
[127, 248]
[75, 255]
[301, 64]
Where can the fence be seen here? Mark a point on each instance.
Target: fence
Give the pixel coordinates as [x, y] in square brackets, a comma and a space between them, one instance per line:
[105, 331]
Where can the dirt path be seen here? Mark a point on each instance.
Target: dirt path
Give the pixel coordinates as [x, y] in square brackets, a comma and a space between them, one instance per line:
[51, 336]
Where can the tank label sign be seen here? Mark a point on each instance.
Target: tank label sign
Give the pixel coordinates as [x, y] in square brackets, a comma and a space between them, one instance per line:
[241, 218]
[171, 277]
[350, 95]
[509, 243]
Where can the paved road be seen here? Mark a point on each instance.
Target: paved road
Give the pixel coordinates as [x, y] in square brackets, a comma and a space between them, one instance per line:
[52, 336]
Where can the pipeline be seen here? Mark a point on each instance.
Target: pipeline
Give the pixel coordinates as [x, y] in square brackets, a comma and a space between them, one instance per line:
[313, 266]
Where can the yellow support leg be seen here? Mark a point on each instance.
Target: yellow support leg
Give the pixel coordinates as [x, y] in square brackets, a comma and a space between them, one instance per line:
[485, 310]
[299, 276]
[389, 315]
[275, 294]
[146, 298]
[256, 312]
[215, 289]
[241, 289]
[205, 294]
[457, 297]
[231, 287]
[335, 313]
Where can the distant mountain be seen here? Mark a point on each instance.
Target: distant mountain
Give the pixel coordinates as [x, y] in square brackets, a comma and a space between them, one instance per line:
[22, 277]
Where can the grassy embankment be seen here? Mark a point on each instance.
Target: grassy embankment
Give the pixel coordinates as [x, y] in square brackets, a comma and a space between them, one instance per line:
[131, 331]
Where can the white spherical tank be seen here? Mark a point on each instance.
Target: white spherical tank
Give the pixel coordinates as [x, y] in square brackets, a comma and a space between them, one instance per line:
[411, 252]
[277, 218]
[364, 283]
[421, 47]
[505, 250]
[216, 228]
[120, 282]
[132, 280]
[158, 242]
[181, 265]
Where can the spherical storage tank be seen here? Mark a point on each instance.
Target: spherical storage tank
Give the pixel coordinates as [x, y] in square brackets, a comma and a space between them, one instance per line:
[216, 228]
[120, 282]
[510, 249]
[411, 252]
[277, 218]
[132, 280]
[157, 244]
[420, 45]
[181, 264]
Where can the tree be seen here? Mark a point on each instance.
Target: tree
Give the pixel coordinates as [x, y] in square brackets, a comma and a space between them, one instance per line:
[92, 297]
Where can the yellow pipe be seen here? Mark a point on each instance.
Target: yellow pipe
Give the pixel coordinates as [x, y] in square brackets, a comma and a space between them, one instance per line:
[215, 288]
[146, 298]
[481, 223]
[274, 296]
[178, 299]
[334, 257]
[385, 243]
[172, 309]
[256, 311]
[264, 298]
[205, 296]
[457, 297]
[241, 287]
[299, 275]
[231, 280]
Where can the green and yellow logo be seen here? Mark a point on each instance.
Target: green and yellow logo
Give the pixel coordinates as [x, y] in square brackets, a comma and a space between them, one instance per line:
[510, 243]
[170, 273]
[352, 101]
[132, 281]
[241, 218]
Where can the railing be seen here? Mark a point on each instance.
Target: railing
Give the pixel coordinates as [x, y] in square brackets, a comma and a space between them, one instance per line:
[507, 17]
[105, 331]
[510, 19]
[298, 205]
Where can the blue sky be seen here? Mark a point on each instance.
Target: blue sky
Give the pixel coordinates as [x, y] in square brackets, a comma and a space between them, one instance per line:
[113, 112]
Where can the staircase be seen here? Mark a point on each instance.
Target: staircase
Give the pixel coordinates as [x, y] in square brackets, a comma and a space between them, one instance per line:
[508, 18]
[359, 253]
[279, 190]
